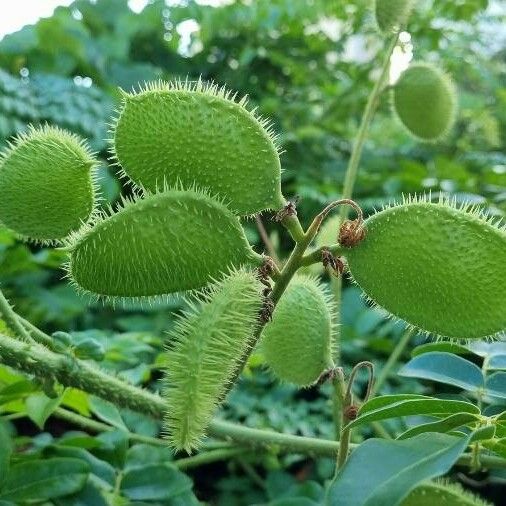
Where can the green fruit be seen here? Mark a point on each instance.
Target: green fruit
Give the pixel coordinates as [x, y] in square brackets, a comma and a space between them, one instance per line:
[46, 181]
[438, 267]
[297, 343]
[441, 494]
[392, 15]
[187, 134]
[425, 101]
[167, 242]
[206, 348]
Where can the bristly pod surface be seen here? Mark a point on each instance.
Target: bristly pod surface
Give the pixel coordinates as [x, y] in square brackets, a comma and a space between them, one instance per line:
[164, 243]
[425, 101]
[297, 343]
[439, 267]
[46, 182]
[442, 494]
[392, 15]
[198, 134]
[206, 346]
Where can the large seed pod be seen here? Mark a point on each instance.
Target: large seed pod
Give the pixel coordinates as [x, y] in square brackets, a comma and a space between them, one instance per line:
[167, 242]
[198, 134]
[442, 494]
[205, 350]
[392, 15]
[297, 343]
[438, 267]
[425, 101]
[46, 183]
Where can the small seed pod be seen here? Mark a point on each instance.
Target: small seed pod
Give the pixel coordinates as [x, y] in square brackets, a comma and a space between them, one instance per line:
[206, 346]
[46, 180]
[164, 243]
[442, 494]
[425, 101]
[392, 15]
[198, 134]
[439, 267]
[298, 342]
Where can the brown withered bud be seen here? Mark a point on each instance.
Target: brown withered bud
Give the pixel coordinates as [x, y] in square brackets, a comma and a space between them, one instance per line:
[351, 233]
[351, 412]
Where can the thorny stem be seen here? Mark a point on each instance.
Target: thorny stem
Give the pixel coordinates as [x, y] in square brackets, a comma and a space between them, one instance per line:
[12, 320]
[209, 457]
[34, 359]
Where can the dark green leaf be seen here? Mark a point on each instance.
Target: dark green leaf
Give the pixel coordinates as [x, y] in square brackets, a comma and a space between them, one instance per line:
[41, 480]
[382, 473]
[444, 368]
[446, 424]
[154, 482]
[5, 451]
[497, 362]
[107, 412]
[39, 407]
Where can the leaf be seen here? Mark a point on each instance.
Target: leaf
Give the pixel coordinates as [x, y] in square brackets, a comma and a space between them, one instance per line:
[496, 385]
[5, 451]
[497, 446]
[385, 400]
[39, 407]
[41, 480]
[382, 473]
[443, 346]
[444, 368]
[154, 482]
[107, 412]
[497, 362]
[446, 424]
[423, 406]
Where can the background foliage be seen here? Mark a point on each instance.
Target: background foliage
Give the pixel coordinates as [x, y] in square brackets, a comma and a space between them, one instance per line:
[309, 66]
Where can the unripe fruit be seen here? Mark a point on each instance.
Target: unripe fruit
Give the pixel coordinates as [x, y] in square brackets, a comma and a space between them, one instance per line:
[441, 494]
[425, 101]
[297, 343]
[167, 242]
[392, 15]
[205, 349]
[46, 184]
[187, 134]
[438, 267]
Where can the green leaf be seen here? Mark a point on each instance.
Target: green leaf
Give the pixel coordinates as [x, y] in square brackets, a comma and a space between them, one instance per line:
[496, 385]
[483, 433]
[154, 482]
[497, 446]
[445, 368]
[107, 412]
[446, 424]
[408, 407]
[42, 480]
[141, 455]
[385, 400]
[443, 346]
[382, 473]
[5, 451]
[39, 407]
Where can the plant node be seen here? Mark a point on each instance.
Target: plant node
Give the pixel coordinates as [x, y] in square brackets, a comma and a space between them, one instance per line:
[335, 263]
[289, 210]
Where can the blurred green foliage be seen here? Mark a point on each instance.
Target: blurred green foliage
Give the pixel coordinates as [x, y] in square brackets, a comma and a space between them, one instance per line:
[308, 65]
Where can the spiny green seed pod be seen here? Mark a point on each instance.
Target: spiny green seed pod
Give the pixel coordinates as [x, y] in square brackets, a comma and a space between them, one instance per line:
[297, 343]
[442, 494]
[392, 15]
[46, 181]
[206, 346]
[198, 134]
[425, 101]
[167, 242]
[439, 267]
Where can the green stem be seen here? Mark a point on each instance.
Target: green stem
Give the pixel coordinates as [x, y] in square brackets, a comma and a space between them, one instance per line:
[12, 320]
[370, 109]
[37, 334]
[316, 256]
[208, 457]
[392, 360]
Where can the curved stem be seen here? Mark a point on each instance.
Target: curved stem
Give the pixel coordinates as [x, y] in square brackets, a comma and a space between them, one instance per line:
[12, 320]
[208, 457]
[370, 109]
